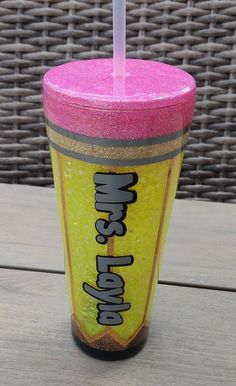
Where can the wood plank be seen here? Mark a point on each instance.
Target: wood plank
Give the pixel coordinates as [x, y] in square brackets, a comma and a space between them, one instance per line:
[201, 245]
[200, 248]
[192, 338]
[29, 228]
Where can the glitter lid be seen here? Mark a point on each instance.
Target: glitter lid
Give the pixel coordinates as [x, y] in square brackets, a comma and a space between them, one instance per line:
[148, 84]
[84, 97]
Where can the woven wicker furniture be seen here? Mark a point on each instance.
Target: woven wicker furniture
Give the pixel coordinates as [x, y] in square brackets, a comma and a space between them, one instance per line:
[198, 36]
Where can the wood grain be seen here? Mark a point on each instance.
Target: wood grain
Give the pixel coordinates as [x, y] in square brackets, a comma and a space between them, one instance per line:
[192, 339]
[200, 248]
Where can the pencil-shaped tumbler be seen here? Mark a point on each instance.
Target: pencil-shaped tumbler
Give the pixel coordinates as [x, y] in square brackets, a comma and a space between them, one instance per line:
[117, 147]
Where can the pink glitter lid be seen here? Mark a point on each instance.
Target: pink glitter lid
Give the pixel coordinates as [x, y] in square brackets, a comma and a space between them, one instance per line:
[153, 100]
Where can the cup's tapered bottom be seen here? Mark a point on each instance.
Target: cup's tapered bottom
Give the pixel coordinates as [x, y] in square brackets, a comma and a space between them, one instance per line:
[106, 349]
[108, 355]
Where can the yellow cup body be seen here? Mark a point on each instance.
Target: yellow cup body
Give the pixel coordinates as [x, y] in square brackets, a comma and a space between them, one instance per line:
[146, 225]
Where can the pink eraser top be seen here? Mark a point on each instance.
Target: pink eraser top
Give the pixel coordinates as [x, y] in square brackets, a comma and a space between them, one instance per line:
[152, 100]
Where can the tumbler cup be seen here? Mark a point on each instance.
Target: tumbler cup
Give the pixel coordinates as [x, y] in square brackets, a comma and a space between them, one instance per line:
[116, 147]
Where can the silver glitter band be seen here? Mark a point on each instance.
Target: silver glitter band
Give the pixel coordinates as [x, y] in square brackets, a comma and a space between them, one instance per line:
[116, 142]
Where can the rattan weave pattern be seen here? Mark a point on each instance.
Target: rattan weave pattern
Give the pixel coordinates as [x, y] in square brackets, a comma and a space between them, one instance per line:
[199, 36]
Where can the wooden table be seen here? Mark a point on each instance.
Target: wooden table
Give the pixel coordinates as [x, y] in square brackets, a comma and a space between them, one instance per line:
[192, 338]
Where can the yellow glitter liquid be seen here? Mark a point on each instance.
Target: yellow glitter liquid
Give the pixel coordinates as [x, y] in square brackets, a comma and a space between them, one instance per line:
[146, 221]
